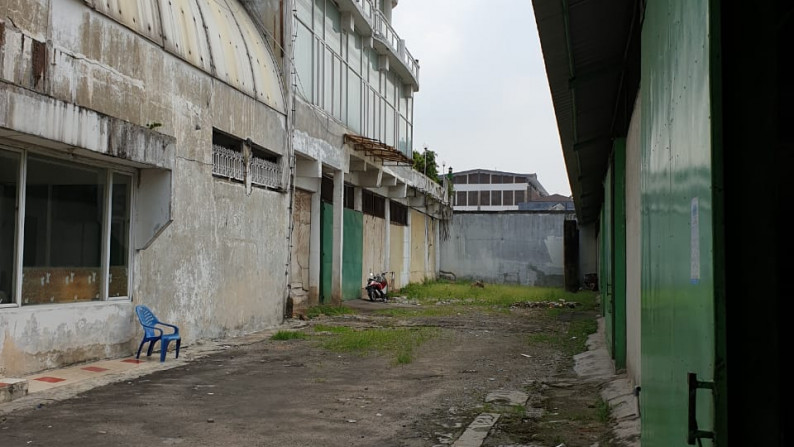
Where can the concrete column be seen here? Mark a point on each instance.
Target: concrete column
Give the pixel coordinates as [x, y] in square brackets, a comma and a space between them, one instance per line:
[437, 267]
[339, 209]
[314, 250]
[426, 267]
[387, 237]
[357, 198]
[406, 273]
[387, 9]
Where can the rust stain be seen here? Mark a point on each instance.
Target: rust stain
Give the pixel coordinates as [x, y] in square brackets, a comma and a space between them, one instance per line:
[39, 57]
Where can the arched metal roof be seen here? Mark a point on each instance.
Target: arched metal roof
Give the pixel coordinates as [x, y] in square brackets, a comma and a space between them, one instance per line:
[216, 36]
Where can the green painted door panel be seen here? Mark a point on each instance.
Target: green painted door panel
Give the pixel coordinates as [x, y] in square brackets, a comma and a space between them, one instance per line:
[352, 252]
[676, 182]
[326, 250]
[605, 259]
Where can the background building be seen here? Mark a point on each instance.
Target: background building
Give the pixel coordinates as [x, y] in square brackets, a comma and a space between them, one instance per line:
[484, 190]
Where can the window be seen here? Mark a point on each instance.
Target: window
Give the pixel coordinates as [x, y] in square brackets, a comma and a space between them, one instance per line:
[349, 199]
[485, 198]
[460, 199]
[75, 236]
[243, 162]
[398, 213]
[519, 197]
[508, 198]
[460, 179]
[496, 197]
[474, 198]
[373, 204]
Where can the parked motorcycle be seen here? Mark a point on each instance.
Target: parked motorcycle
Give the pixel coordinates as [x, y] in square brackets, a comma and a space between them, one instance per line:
[377, 287]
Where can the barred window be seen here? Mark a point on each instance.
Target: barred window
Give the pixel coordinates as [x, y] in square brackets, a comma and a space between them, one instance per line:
[236, 161]
[485, 197]
[460, 198]
[398, 213]
[373, 204]
[349, 200]
[496, 197]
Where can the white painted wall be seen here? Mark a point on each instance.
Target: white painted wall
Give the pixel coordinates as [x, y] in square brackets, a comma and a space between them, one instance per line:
[633, 248]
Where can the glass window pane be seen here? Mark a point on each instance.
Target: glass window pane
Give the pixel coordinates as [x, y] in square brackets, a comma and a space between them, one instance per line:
[119, 235]
[319, 16]
[390, 136]
[354, 52]
[402, 144]
[333, 27]
[64, 209]
[328, 80]
[303, 62]
[354, 101]
[9, 181]
[337, 88]
[304, 11]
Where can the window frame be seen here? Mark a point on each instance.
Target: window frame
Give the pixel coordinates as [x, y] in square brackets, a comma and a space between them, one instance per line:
[21, 209]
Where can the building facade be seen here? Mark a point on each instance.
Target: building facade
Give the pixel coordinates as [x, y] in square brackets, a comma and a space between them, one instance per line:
[484, 190]
[164, 153]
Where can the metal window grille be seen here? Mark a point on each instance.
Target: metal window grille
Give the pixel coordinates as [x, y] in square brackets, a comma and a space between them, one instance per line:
[265, 173]
[227, 163]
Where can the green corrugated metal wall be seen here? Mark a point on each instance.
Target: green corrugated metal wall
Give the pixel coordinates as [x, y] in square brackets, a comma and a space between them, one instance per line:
[676, 179]
[352, 251]
[605, 264]
[619, 251]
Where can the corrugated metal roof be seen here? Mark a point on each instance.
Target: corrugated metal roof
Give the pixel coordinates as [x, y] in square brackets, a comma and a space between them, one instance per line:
[216, 36]
[585, 50]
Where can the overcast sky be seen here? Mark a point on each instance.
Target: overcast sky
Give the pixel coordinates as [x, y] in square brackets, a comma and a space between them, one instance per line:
[483, 100]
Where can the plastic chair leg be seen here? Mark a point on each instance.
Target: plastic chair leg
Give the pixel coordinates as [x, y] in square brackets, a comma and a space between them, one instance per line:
[138, 355]
[163, 349]
[151, 347]
[178, 343]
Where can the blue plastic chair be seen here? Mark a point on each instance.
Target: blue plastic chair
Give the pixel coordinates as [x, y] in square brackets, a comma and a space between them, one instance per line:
[152, 333]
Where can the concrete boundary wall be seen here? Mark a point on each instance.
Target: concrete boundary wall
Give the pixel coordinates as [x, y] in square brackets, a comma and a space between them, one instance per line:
[506, 247]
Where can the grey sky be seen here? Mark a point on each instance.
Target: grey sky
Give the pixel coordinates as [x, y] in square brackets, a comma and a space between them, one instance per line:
[484, 99]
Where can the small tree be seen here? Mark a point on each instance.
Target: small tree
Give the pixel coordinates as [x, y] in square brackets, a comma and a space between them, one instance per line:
[425, 162]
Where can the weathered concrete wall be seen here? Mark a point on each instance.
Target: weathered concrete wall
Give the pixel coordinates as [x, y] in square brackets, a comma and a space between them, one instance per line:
[418, 246]
[397, 254]
[374, 250]
[219, 268]
[507, 247]
[301, 237]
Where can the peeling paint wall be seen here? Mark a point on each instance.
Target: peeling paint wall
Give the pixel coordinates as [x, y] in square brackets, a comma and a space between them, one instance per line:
[373, 258]
[396, 254]
[418, 268]
[512, 248]
[301, 237]
[109, 91]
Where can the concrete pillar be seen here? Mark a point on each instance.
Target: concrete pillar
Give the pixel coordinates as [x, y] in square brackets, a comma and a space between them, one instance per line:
[314, 250]
[357, 193]
[406, 271]
[338, 225]
[437, 267]
[426, 267]
[387, 236]
[387, 9]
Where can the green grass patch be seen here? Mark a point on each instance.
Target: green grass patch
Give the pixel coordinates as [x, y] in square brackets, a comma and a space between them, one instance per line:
[498, 295]
[570, 337]
[332, 329]
[603, 410]
[397, 342]
[329, 310]
[419, 311]
[288, 335]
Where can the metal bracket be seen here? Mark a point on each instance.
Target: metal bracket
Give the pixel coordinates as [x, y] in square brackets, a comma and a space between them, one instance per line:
[693, 433]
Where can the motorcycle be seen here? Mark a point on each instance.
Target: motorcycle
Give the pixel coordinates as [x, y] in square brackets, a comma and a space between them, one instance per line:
[377, 287]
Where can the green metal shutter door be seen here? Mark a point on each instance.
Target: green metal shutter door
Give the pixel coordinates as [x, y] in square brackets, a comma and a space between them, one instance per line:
[676, 179]
[352, 252]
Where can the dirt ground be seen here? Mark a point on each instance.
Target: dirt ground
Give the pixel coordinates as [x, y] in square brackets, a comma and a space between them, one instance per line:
[297, 393]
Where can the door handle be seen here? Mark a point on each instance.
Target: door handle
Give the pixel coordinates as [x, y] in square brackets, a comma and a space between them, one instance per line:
[693, 433]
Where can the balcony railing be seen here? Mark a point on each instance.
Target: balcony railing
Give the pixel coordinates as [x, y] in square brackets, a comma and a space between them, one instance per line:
[384, 32]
